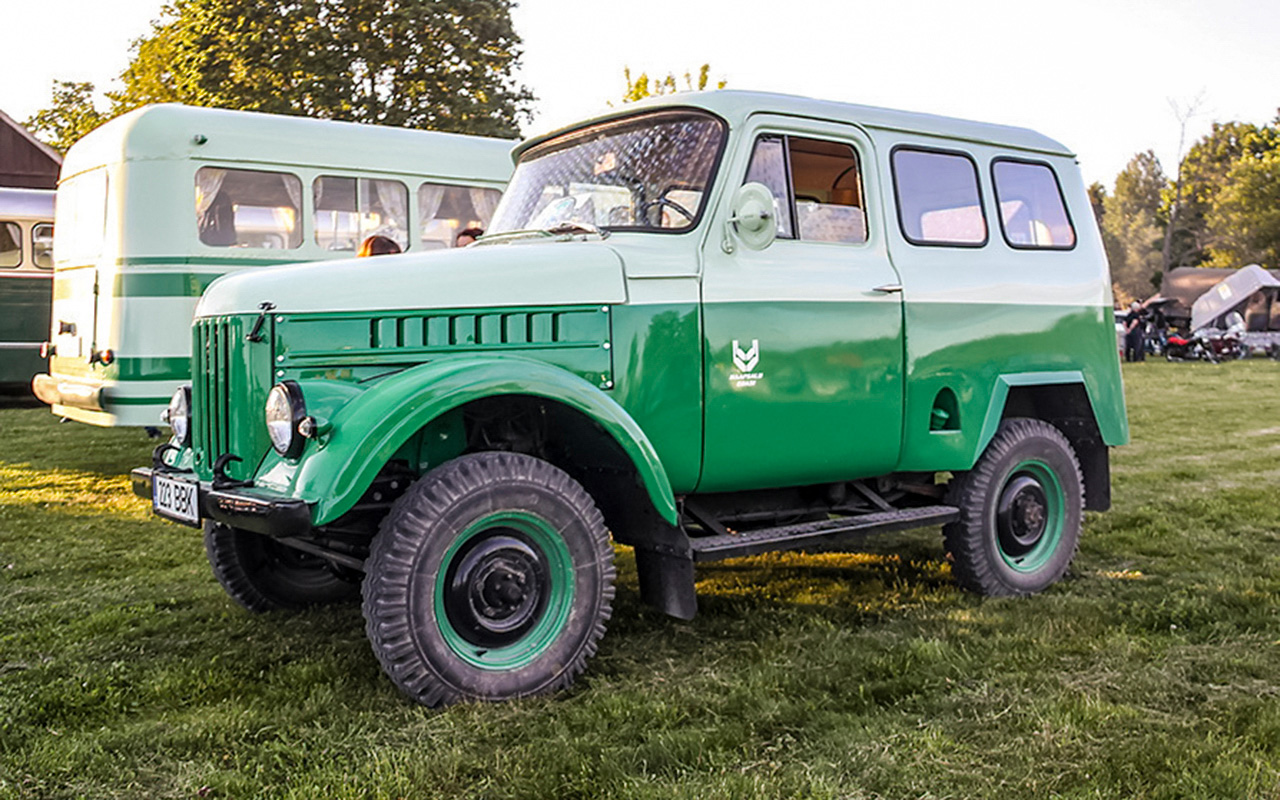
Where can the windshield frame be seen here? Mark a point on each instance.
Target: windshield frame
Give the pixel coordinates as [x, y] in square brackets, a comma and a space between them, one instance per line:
[570, 138]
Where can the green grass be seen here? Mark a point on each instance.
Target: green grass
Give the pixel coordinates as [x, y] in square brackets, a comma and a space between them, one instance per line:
[1153, 671]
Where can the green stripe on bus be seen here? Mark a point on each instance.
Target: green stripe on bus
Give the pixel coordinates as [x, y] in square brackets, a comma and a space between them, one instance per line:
[171, 284]
[150, 369]
[136, 401]
[217, 261]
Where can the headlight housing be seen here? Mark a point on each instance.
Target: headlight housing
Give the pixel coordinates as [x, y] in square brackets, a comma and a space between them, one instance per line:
[285, 411]
[178, 416]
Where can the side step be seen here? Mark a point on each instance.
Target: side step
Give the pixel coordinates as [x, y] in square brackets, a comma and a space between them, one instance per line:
[820, 533]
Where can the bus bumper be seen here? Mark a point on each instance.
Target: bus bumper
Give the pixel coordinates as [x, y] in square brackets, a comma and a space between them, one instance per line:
[55, 392]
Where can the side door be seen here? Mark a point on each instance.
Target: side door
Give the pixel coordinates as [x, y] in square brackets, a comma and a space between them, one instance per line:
[803, 340]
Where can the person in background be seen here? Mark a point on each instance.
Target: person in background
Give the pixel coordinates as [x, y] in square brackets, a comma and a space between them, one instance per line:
[1135, 326]
[466, 236]
[378, 246]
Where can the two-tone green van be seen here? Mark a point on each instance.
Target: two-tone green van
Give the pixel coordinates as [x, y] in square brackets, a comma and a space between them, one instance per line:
[157, 203]
[705, 326]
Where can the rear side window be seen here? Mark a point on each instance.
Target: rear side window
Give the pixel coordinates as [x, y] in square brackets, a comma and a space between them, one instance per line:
[1032, 212]
[348, 210]
[248, 208]
[42, 245]
[939, 202]
[446, 210]
[10, 245]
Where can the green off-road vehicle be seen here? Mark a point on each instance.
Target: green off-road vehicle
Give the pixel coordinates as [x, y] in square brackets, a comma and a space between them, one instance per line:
[705, 327]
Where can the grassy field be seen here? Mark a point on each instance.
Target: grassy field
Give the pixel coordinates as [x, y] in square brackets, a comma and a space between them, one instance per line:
[1153, 671]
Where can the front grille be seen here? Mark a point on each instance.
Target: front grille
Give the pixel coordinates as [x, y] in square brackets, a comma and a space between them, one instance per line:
[211, 388]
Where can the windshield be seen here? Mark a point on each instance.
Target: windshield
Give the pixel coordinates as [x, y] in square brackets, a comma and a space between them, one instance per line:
[646, 173]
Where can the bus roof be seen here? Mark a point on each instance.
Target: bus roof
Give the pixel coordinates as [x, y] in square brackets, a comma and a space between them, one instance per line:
[33, 203]
[178, 132]
[737, 106]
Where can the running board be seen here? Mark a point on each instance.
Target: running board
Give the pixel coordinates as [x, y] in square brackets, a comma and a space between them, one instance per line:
[818, 534]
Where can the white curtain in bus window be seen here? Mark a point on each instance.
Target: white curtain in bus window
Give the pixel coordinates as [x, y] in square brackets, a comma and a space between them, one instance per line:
[349, 210]
[10, 245]
[446, 210]
[248, 208]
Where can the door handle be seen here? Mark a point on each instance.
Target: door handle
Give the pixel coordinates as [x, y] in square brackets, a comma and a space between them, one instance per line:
[888, 288]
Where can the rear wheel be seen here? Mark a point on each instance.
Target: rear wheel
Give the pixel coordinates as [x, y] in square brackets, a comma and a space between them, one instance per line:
[491, 579]
[1021, 508]
[263, 575]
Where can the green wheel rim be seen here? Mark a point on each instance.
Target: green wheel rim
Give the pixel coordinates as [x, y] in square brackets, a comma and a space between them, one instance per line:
[1030, 516]
[503, 538]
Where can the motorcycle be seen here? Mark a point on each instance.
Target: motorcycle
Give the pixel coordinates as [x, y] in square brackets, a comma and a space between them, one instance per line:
[1207, 344]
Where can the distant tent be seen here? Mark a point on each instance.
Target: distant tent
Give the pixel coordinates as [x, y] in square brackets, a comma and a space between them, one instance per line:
[1231, 294]
[26, 162]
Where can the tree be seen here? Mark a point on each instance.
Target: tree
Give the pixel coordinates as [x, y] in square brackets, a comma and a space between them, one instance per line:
[71, 115]
[437, 64]
[1183, 113]
[1244, 217]
[1132, 226]
[642, 86]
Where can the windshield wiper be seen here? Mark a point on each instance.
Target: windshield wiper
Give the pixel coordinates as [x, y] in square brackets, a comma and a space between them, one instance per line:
[563, 229]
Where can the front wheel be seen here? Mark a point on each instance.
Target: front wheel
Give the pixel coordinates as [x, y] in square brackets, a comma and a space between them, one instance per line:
[491, 579]
[263, 575]
[1020, 511]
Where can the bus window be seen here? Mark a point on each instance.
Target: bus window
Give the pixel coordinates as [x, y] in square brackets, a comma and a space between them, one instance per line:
[348, 210]
[42, 245]
[82, 217]
[445, 210]
[10, 245]
[248, 208]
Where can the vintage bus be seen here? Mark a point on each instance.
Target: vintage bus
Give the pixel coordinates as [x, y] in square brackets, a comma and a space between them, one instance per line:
[157, 203]
[26, 275]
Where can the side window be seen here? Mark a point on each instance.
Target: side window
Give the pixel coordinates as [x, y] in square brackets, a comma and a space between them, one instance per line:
[81, 217]
[1032, 212]
[446, 210]
[349, 210]
[828, 191]
[248, 208]
[10, 245]
[816, 186]
[939, 202]
[42, 245]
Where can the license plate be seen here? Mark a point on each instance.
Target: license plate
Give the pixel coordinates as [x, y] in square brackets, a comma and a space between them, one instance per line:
[175, 499]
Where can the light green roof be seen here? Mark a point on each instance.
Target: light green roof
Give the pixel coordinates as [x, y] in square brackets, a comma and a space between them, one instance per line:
[170, 132]
[736, 106]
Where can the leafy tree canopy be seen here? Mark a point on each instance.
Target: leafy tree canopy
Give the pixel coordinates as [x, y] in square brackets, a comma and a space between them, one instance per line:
[436, 64]
[643, 86]
[71, 115]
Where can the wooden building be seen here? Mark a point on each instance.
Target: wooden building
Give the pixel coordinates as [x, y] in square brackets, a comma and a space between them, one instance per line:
[26, 162]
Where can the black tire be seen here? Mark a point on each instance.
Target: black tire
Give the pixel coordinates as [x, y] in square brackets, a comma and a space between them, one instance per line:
[491, 579]
[264, 575]
[1020, 512]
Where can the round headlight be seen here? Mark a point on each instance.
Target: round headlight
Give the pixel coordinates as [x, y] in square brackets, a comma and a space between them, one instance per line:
[284, 410]
[178, 416]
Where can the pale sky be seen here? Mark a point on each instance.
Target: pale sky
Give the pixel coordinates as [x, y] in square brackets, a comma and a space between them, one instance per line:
[1096, 75]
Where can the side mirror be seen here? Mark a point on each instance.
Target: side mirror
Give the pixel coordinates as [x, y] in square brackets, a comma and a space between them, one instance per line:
[752, 221]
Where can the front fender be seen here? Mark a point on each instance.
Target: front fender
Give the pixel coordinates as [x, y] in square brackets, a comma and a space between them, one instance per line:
[366, 431]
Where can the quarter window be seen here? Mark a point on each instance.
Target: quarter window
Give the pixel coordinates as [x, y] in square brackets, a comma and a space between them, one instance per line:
[446, 210]
[816, 186]
[42, 245]
[10, 245]
[349, 210]
[1032, 213]
[248, 208]
[939, 202]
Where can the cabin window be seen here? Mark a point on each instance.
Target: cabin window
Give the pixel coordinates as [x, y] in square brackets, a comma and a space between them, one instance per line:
[42, 245]
[349, 210]
[248, 208]
[816, 186]
[10, 245]
[939, 202]
[445, 210]
[1032, 212]
[81, 217]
